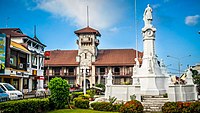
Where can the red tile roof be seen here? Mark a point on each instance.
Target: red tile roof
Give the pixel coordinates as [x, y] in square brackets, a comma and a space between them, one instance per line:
[62, 58]
[14, 32]
[87, 30]
[116, 57]
[106, 57]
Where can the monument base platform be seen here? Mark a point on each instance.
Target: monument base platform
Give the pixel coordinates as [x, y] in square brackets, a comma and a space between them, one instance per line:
[153, 92]
[151, 84]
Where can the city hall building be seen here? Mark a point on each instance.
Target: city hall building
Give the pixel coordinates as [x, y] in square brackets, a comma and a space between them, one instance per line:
[69, 64]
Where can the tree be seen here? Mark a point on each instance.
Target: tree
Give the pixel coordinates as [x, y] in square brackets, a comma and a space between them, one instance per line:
[196, 78]
[59, 92]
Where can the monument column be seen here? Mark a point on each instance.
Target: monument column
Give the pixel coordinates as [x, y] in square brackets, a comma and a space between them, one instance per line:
[149, 76]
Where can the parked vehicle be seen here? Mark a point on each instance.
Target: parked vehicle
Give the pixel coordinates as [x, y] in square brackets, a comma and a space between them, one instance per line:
[42, 92]
[3, 95]
[11, 91]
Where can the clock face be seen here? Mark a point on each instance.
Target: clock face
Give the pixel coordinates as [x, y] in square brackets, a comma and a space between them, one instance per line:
[149, 32]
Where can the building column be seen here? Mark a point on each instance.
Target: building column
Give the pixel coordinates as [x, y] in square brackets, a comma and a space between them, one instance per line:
[93, 76]
[30, 86]
[78, 78]
[21, 84]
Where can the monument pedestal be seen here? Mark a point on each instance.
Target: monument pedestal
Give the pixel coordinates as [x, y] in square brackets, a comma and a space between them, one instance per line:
[151, 84]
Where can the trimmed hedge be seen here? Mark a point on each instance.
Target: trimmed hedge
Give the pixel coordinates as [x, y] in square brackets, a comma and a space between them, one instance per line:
[86, 96]
[105, 106]
[81, 103]
[75, 95]
[102, 106]
[25, 106]
[132, 106]
[181, 107]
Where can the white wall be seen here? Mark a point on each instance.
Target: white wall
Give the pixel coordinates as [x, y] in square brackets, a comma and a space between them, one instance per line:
[182, 93]
[123, 92]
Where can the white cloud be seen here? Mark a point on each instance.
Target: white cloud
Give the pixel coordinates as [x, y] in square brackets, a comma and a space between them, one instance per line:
[102, 13]
[192, 20]
[154, 6]
[114, 29]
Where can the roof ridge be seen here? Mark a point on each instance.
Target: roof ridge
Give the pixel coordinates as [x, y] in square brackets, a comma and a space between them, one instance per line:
[118, 49]
[9, 28]
[61, 50]
[87, 30]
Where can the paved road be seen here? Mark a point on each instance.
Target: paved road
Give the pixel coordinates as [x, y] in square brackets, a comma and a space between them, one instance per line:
[29, 96]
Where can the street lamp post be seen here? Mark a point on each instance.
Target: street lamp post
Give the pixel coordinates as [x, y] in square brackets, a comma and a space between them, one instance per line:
[84, 69]
[179, 62]
[84, 81]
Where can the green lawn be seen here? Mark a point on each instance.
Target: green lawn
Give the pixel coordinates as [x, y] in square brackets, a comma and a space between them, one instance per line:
[78, 111]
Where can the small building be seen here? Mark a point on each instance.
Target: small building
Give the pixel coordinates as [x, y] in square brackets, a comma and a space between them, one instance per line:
[13, 63]
[69, 64]
[34, 65]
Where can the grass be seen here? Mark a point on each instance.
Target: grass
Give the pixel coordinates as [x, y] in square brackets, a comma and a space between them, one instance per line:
[78, 111]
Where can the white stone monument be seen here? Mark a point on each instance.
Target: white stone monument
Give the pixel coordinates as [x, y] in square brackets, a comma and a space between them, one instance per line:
[109, 78]
[153, 80]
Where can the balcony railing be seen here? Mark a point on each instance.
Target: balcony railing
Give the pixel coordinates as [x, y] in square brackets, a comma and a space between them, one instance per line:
[115, 73]
[70, 74]
[57, 73]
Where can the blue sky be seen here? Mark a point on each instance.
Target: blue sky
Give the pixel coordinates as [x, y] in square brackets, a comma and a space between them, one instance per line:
[177, 23]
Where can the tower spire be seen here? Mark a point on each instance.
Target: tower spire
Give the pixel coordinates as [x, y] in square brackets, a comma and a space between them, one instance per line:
[35, 37]
[87, 17]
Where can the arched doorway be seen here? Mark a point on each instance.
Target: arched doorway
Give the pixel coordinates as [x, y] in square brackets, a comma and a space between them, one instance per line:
[87, 84]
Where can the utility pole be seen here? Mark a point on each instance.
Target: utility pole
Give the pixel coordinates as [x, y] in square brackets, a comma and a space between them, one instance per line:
[179, 62]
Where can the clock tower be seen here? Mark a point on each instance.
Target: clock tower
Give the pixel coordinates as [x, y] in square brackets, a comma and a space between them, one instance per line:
[87, 52]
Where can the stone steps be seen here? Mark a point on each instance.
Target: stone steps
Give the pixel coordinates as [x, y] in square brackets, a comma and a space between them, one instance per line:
[153, 103]
[155, 98]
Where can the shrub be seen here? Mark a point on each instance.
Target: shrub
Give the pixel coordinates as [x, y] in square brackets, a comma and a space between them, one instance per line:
[112, 99]
[101, 86]
[84, 96]
[195, 107]
[91, 92]
[116, 107]
[59, 93]
[102, 106]
[170, 107]
[25, 106]
[76, 94]
[181, 107]
[132, 106]
[105, 106]
[81, 103]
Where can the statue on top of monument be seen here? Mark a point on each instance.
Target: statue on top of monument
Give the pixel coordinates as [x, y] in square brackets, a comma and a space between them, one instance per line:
[147, 16]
